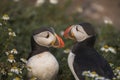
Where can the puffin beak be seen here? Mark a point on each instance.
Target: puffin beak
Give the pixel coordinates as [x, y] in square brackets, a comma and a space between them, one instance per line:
[59, 43]
[68, 33]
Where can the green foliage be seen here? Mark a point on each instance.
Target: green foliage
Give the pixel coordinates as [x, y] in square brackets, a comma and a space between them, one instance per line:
[10, 65]
[26, 17]
[110, 37]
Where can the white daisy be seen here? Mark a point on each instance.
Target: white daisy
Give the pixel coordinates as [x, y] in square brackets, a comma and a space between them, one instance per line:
[7, 53]
[5, 17]
[0, 24]
[66, 51]
[107, 48]
[53, 1]
[14, 51]
[39, 2]
[12, 34]
[11, 58]
[16, 70]
[107, 20]
[23, 60]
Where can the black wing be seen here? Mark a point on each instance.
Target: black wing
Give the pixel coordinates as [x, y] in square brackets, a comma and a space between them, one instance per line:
[92, 61]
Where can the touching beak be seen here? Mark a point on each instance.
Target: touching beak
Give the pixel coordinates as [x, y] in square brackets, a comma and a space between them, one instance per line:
[59, 43]
[68, 33]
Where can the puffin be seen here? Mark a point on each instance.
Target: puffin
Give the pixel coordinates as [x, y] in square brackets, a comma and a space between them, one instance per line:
[41, 63]
[83, 56]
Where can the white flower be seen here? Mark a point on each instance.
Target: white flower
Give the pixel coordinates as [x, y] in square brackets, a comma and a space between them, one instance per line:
[93, 74]
[7, 53]
[12, 34]
[107, 20]
[9, 29]
[107, 48]
[79, 9]
[104, 49]
[53, 1]
[0, 24]
[39, 2]
[117, 71]
[17, 78]
[14, 51]
[5, 17]
[23, 60]
[118, 77]
[112, 65]
[3, 71]
[66, 51]
[16, 70]
[86, 73]
[100, 78]
[112, 50]
[90, 74]
[11, 58]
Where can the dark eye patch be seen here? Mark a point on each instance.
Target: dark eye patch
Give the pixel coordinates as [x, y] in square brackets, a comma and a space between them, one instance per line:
[77, 28]
[47, 35]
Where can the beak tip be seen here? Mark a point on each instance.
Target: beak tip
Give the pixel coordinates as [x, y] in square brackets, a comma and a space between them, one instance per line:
[60, 42]
[65, 35]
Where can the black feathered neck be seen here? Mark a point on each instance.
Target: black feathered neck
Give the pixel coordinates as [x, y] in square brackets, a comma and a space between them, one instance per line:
[36, 49]
[88, 43]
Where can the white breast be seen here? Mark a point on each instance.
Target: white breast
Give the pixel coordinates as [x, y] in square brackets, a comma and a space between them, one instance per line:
[44, 66]
[70, 63]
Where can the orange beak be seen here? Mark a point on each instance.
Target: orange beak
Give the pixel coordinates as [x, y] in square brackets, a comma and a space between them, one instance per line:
[67, 31]
[59, 43]
[69, 34]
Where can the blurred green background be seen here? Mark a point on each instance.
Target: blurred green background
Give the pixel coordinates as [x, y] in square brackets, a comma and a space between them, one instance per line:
[27, 15]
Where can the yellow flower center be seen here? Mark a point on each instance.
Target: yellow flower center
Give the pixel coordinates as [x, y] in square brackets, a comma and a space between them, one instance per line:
[17, 78]
[11, 57]
[106, 46]
[93, 72]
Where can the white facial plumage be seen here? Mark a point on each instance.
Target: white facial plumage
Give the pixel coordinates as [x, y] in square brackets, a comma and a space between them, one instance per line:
[79, 33]
[44, 38]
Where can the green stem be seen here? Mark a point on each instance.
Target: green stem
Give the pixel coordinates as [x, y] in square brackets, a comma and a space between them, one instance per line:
[7, 43]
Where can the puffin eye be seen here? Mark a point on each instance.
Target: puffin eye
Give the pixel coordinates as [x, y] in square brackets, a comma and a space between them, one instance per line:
[47, 35]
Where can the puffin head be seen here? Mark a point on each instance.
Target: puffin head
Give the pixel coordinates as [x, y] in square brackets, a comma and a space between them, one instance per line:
[47, 37]
[80, 32]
